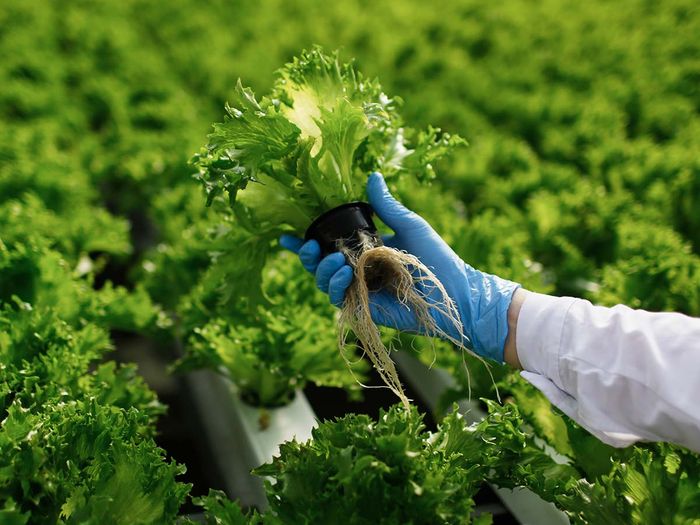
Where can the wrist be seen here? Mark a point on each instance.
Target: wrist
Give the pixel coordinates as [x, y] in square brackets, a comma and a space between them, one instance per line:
[510, 350]
[488, 298]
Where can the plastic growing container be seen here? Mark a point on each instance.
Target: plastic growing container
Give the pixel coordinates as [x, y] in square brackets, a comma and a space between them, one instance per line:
[341, 227]
[244, 437]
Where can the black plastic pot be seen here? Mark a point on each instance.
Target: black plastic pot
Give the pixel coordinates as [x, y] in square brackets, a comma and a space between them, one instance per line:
[341, 226]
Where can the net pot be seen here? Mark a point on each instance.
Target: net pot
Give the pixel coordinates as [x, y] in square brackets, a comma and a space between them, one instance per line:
[341, 227]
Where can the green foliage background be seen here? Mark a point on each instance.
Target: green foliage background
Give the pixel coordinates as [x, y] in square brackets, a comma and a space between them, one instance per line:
[582, 119]
[582, 176]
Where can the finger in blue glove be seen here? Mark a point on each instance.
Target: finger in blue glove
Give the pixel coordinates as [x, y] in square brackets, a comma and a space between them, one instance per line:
[327, 268]
[310, 255]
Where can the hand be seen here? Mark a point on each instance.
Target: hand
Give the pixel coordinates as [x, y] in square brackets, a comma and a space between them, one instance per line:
[482, 300]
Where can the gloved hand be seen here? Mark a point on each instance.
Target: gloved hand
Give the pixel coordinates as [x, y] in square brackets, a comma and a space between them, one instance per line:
[482, 300]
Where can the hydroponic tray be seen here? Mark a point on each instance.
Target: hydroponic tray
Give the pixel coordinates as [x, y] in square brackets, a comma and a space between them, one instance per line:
[243, 437]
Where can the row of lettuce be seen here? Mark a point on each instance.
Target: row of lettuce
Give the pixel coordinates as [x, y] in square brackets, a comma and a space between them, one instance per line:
[77, 444]
[581, 178]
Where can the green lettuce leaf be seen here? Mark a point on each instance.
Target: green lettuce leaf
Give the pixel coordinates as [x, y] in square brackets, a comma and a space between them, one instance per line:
[310, 145]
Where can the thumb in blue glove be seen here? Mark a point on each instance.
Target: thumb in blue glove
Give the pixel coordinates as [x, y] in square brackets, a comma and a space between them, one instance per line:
[481, 300]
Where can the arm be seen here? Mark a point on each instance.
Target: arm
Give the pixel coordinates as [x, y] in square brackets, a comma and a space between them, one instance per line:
[625, 375]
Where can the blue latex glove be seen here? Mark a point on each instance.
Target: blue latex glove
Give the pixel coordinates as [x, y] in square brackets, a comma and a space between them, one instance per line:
[481, 299]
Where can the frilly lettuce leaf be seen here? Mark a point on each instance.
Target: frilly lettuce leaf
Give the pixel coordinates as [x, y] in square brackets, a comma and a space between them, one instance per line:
[308, 147]
[252, 134]
[76, 436]
[221, 510]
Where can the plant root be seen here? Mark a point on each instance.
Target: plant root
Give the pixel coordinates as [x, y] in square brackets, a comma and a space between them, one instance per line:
[414, 286]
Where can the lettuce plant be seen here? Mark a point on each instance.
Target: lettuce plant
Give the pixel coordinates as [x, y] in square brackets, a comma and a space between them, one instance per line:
[36, 274]
[308, 147]
[275, 350]
[282, 160]
[359, 471]
[76, 440]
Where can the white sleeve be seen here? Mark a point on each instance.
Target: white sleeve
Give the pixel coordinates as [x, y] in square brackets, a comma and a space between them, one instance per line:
[625, 375]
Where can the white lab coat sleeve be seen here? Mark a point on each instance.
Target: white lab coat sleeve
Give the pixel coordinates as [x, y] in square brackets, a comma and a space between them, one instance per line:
[625, 375]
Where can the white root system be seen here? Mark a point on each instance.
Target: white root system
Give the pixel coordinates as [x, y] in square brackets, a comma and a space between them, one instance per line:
[415, 287]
